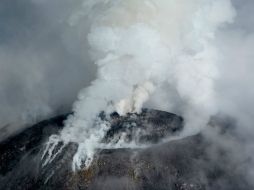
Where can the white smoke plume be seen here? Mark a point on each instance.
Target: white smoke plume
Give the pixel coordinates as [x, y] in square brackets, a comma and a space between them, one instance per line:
[141, 47]
[44, 62]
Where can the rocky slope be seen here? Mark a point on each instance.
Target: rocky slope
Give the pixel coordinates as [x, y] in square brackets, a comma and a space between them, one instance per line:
[184, 164]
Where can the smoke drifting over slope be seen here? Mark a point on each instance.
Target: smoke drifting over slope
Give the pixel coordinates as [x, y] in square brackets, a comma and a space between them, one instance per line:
[140, 47]
[186, 57]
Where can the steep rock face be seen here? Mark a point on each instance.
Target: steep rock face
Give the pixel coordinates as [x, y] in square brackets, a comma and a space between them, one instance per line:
[177, 165]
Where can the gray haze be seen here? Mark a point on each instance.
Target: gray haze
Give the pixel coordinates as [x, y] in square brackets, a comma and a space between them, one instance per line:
[235, 86]
[44, 62]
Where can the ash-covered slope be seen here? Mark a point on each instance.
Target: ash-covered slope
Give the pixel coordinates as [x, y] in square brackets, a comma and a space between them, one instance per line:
[177, 165]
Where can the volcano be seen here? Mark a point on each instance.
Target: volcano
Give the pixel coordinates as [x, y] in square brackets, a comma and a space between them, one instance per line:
[183, 164]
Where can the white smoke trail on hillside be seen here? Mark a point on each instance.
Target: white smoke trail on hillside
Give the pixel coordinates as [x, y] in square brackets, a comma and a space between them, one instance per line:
[139, 48]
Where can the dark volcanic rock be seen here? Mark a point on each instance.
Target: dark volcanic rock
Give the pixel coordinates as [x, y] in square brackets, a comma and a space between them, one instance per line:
[183, 164]
[149, 127]
[30, 140]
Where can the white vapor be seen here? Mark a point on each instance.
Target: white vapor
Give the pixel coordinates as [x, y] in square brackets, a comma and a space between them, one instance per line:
[181, 56]
[142, 48]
